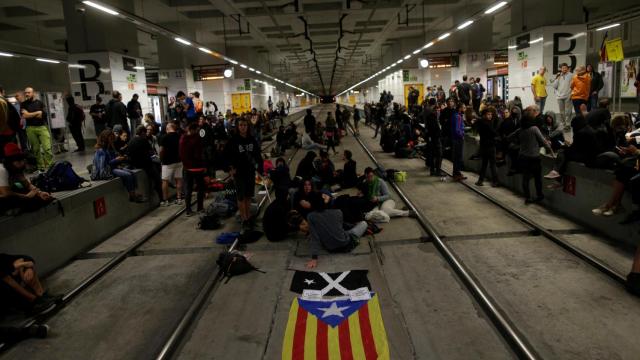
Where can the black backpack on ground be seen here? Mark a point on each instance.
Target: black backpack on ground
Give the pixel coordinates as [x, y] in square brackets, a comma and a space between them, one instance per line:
[234, 263]
[209, 222]
[59, 177]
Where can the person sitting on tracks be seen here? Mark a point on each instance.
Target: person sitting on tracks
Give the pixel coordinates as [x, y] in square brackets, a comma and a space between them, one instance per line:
[281, 179]
[347, 177]
[20, 287]
[306, 169]
[302, 198]
[17, 194]
[309, 144]
[325, 229]
[325, 177]
[376, 191]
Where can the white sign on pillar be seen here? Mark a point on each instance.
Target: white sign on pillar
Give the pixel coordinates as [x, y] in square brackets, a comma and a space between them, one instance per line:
[548, 46]
[93, 74]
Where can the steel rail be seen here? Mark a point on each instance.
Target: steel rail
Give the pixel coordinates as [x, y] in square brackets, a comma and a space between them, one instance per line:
[519, 344]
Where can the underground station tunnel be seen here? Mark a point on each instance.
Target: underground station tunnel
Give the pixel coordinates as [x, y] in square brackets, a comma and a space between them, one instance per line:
[319, 179]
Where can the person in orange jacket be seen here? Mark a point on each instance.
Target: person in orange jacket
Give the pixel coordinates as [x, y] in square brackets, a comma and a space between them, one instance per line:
[580, 88]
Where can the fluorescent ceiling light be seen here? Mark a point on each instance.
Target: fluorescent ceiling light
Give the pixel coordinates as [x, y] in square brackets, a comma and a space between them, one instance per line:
[512, 47]
[139, 67]
[607, 27]
[48, 61]
[535, 41]
[424, 63]
[243, 66]
[252, 69]
[6, 54]
[444, 36]
[399, 61]
[428, 45]
[204, 50]
[416, 51]
[258, 72]
[227, 73]
[233, 61]
[77, 66]
[407, 57]
[182, 41]
[465, 24]
[495, 7]
[100, 7]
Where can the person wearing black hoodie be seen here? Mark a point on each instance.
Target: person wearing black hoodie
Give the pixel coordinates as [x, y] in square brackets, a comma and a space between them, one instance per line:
[191, 151]
[305, 169]
[116, 113]
[75, 118]
[243, 155]
[310, 124]
[488, 134]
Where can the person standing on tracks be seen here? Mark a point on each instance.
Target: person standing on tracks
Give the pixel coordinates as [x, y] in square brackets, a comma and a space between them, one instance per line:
[356, 120]
[244, 156]
[488, 134]
[191, 151]
[310, 125]
[531, 140]
[457, 141]
[330, 132]
[339, 119]
[433, 136]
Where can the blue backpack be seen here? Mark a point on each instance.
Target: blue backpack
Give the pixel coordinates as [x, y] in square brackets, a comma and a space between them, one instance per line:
[59, 177]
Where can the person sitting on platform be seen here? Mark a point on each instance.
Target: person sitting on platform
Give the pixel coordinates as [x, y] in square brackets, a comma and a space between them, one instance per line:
[16, 191]
[20, 287]
[376, 191]
[106, 165]
[325, 229]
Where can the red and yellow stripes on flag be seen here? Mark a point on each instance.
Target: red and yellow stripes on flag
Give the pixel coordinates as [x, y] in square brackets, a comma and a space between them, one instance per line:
[361, 336]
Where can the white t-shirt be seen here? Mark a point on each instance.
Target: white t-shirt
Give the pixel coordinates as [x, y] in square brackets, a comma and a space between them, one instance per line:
[4, 176]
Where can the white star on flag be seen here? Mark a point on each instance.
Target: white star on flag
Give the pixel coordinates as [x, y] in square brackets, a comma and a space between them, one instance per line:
[333, 310]
[309, 282]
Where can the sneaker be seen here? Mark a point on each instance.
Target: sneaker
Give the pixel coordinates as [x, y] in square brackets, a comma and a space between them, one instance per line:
[164, 203]
[600, 210]
[631, 218]
[178, 202]
[479, 183]
[633, 283]
[552, 175]
[613, 210]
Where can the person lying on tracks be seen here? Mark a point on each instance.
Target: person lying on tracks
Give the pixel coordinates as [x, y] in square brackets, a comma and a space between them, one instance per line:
[325, 229]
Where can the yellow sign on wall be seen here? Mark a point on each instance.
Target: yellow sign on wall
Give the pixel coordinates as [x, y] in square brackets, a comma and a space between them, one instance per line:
[352, 100]
[241, 102]
[419, 87]
[614, 50]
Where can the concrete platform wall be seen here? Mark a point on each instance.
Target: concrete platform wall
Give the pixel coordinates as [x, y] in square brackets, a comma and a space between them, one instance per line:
[54, 238]
[592, 189]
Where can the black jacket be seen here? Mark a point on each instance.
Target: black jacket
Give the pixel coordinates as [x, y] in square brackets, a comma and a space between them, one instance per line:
[116, 113]
[596, 82]
[244, 154]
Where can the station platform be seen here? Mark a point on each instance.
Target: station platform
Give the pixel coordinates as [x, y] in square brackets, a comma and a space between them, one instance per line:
[563, 307]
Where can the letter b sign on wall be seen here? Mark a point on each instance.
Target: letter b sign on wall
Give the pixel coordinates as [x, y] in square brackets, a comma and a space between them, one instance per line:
[564, 44]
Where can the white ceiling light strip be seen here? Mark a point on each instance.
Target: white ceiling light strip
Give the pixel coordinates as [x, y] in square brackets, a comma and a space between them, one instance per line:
[462, 26]
[138, 21]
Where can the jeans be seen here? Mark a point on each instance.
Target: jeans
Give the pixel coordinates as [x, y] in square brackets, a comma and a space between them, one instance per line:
[434, 157]
[593, 102]
[40, 140]
[456, 155]
[488, 155]
[531, 168]
[198, 177]
[577, 103]
[155, 180]
[358, 230]
[99, 126]
[541, 103]
[128, 178]
[564, 110]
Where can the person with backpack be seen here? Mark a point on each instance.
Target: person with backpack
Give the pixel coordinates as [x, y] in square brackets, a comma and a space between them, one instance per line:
[107, 164]
[17, 193]
[191, 151]
[75, 118]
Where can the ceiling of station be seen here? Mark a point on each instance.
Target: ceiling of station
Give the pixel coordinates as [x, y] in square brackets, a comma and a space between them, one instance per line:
[342, 42]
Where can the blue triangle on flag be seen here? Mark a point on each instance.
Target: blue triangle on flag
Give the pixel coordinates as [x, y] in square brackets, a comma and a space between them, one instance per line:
[331, 312]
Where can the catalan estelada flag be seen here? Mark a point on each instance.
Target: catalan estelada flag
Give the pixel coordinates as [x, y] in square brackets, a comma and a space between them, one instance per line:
[335, 329]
